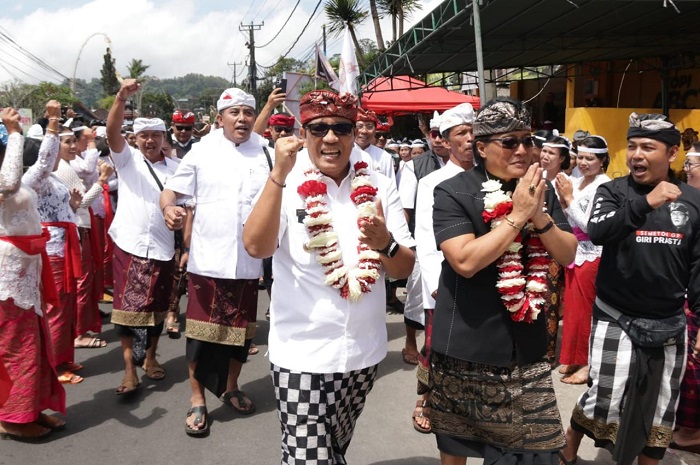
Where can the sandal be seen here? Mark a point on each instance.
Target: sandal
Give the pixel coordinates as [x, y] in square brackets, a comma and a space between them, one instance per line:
[563, 461]
[25, 432]
[128, 386]
[155, 372]
[173, 329]
[69, 378]
[253, 349]
[420, 412]
[94, 342]
[51, 422]
[409, 358]
[198, 412]
[241, 399]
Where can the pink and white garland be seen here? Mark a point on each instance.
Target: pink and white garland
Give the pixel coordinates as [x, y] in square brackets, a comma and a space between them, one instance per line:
[522, 294]
[351, 281]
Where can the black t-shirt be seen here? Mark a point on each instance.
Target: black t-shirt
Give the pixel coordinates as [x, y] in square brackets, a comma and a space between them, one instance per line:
[651, 257]
[470, 321]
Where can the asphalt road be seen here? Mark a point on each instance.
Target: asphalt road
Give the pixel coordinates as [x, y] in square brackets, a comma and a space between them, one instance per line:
[148, 428]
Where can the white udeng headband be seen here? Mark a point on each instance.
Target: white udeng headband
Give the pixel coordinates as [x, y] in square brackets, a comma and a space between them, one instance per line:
[583, 148]
[563, 146]
[692, 154]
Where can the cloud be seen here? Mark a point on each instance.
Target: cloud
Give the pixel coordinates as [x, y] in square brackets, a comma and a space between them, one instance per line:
[174, 38]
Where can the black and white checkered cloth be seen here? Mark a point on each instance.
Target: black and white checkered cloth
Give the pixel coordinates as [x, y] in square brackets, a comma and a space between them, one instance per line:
[610, 357]
[317, 413]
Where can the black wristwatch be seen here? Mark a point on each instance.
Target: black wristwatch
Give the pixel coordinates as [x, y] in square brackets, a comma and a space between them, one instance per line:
[392, 247]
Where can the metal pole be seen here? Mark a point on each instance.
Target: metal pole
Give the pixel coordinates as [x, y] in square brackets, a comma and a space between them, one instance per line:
[479, 51]
[324, 40]
[251, 46]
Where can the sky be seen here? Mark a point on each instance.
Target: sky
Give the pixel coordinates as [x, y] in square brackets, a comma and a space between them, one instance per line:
[173, 37]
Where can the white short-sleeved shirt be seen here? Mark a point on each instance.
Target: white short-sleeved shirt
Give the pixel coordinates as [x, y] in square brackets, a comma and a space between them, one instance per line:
[138, 227]
[223, 179]
[429, 257]
[381, 161]
[312, 328]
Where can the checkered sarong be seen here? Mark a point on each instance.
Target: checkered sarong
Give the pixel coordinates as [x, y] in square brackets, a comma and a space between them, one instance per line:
[597, 412]
[317, 413]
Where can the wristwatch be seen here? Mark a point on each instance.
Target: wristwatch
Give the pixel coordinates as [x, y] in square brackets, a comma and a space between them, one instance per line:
[392, 247]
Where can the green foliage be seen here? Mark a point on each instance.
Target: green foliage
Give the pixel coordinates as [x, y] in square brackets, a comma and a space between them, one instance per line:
[158, 105]
[18, 95]
[136, 68]
[110, 83]
[308, 87]
[105, 102]
[344, 12]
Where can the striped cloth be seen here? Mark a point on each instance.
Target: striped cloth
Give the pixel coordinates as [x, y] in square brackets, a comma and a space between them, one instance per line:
[597, 412]
[688, 413]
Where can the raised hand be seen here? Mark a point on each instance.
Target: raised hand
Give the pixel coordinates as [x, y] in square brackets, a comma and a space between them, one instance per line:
[662, 193]
[10, 118]
[286, 149]
[528, 197]
[129, 87]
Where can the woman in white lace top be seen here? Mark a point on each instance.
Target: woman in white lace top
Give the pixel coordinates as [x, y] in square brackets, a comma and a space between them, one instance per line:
[57, 206]
[87, 317]
[576, 197]
[23, 340]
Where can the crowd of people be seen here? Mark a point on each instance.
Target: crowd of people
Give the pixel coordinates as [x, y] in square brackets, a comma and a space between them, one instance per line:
[500, 233]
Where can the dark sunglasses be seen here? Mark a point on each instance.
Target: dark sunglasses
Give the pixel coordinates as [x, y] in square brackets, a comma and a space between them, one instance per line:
[511, 143]
[321, 129]
[283, 128]
[381, 135]
[434, 133]
[183, 128]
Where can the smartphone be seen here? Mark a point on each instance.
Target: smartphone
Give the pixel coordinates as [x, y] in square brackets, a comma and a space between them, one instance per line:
[282, 84]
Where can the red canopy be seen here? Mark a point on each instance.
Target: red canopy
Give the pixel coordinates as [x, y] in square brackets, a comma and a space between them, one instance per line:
[399, 95]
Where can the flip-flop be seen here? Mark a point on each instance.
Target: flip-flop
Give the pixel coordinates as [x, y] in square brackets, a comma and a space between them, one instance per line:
[155, 372]
[173, 330]
[693, 449]
[69, 378]
[94, 343]
[198, 411]
[51, 422]
[409, 358]
[253, 349]
[241, 398]
[419, 412]
[33, 433]
[129, 385]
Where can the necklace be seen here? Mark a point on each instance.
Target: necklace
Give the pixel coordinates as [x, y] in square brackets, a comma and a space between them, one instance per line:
[522, 286]
[351, 281]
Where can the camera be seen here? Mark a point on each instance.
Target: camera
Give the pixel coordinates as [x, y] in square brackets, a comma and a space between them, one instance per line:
[282, 84]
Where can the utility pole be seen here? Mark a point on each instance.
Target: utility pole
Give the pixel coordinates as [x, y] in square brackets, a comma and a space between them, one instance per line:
[233, 79]
[324, 40]
[251, 28]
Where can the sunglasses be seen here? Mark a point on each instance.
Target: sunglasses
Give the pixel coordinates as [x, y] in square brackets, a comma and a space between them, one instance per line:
[381, 135]
[435, 134]
[511, 143]
[183, 128]
[321, 129]
[283, 128]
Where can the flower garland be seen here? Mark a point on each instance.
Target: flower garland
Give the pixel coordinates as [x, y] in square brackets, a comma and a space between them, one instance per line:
[522, 294]
[351, 281]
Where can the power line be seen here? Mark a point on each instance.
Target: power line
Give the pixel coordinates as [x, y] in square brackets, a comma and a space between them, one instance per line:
[42, 63]
[285, 23]
[302, 31]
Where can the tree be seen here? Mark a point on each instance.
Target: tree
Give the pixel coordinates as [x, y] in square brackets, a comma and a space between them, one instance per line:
[348, 13]
[377, 26]
[136, 68]
[369, 50]
[399, 10]
[110, 83]
[18, 95]
[158, 105]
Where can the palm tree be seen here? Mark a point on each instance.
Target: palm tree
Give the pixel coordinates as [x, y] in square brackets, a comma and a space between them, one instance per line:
[136, 68]
[399, 10]
[348, 13]
[377, 27]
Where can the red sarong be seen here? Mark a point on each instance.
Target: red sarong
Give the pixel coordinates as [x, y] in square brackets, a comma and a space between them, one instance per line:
[5, 384]
[24, 353]
[87, 313]
[73, 268]
[579, 295]
[61, 318]
[34, 245]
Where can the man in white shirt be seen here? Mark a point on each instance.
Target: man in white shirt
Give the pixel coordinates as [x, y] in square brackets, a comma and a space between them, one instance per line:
[366, 129]
[223, 173]
[144, 247]
[335, 226]
[455, 126]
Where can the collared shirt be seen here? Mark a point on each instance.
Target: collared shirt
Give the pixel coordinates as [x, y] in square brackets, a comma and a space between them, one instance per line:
[138, 227]
[427, 253]
[223, 179]
[313, 329]
[381, 161]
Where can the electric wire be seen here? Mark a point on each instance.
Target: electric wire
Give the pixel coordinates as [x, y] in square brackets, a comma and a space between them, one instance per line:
[282, 28]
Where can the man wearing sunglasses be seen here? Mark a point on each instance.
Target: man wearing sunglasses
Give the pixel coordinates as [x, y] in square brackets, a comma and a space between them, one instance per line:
[365, 137]
[223, 174]
[382, 135]
[280, 125]
[182, 128]
[318, 208]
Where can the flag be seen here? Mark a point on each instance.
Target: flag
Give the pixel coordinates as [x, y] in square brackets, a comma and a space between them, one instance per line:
[348, 71]
[324, 70]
